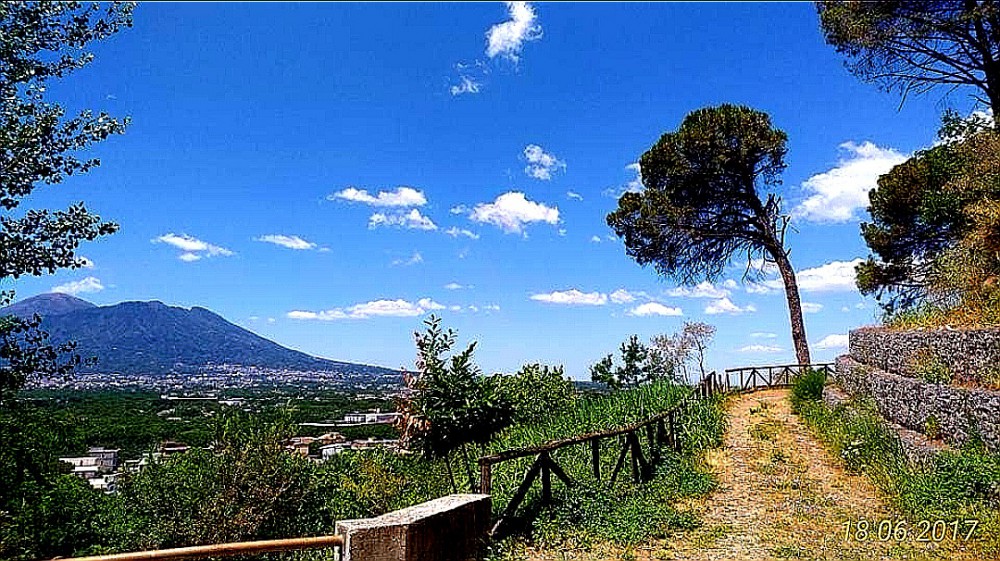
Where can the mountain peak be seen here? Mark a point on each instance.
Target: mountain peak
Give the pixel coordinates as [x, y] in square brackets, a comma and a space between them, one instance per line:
[45, 305]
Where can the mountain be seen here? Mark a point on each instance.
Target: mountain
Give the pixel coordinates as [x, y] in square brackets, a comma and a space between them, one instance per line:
[153, 338]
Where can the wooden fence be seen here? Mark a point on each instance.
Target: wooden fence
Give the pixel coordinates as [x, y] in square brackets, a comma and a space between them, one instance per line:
[658, 430]
[223, 549]
[750, 378]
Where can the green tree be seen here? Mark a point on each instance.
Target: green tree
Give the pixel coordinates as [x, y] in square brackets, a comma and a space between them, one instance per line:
[916, 46]
[536, 392]
[451, 404]
[706, 200]
[635, 369]
[934, 232]
[39, 145]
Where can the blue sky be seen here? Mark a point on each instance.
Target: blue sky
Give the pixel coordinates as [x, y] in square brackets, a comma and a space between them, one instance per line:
[327, 175]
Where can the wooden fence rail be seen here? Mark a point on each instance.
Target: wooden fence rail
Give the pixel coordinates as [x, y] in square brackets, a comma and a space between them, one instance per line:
[750, 378]
[222, 549]
[660, 429]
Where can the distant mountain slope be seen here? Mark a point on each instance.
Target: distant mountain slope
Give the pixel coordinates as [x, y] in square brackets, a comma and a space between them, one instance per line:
[153, 338]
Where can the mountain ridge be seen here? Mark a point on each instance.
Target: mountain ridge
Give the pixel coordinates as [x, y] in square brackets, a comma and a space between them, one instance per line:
[150, 337]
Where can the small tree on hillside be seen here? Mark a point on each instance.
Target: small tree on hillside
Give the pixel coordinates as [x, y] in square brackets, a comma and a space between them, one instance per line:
[451, 404]
[634, 370]
[706, 201]
[917, 46]
[683, 348]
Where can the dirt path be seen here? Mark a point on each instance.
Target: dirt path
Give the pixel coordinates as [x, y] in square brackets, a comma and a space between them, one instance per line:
[780, 496]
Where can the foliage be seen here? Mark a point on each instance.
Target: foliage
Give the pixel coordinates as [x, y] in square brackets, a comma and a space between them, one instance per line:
[916, 46]
[960, 484]
[26, 353]
[536, 392]
[674, 353]
[930, 368]
[634, 371]
[935, 232]
[43, 41]
[808, 386]
[706, 202]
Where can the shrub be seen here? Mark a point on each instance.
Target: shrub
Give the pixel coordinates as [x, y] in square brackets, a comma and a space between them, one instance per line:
[808, 386]
[929, 367]
[536, 392]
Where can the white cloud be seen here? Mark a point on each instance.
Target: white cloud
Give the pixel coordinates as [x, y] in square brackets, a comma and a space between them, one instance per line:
[512, 211]
[412, 220]
[466, 85]
[763, 335]
[836, 276]
[654, 309]
[595, 239]
[541, 165]
[703, 289]
[455, 286]
[89, 284]
[622, 296]
[561, 231]
[459, 209]
[573, 297]
[760, 349]
[507, 39]
[755, 288]
[726, 306]
[428, 304]
[291, 242]
[838, 193]
[271, 320]
[574, 195]
[811, 307]
[415, 259]
[455, 232]
[193, 248]
[492, 307]
[401, 197]
[85, 262]
[375, 308]
[634, 185]
[835, 341]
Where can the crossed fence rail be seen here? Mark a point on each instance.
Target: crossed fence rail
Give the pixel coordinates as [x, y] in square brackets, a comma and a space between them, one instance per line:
[660, 429]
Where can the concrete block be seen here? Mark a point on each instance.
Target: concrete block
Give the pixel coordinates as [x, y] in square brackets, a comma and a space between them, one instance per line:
[452, 528]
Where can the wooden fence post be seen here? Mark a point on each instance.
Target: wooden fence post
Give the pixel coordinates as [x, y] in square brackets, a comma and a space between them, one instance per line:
[485, 477]
[595, 457]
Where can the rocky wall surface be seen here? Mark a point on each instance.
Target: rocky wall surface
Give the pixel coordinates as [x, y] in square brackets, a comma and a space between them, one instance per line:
[969, 354]
[955, 413]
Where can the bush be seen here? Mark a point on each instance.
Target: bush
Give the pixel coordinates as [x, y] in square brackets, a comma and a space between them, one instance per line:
[808, 386]
[537, 392]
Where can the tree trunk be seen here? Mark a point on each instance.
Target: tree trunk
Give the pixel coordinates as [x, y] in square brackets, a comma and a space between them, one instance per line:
[794, 306]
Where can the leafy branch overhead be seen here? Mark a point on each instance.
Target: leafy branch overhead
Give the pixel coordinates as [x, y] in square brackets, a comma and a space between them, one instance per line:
[39, 145]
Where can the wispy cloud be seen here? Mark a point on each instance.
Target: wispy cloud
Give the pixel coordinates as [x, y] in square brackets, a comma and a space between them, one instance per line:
[703, 289]
[574, 196]
[654, 309]
[836, 195]
[760, 349]
[633, 185]
[88, 284]
[763, 335]
[541, 164]
[507, 39]
[414, 259]
[455, 232]
[572, 297]
[836, 341]
[412, 220]
[811, 307]
[622, 296]
[465, 85]
[291, 242]
[726, 306]
[400, 197]
[193, 248]
[455, 286]
[366, 310]
[512, 211]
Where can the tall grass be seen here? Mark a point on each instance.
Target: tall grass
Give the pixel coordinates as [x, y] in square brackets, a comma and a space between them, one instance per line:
[954, 485]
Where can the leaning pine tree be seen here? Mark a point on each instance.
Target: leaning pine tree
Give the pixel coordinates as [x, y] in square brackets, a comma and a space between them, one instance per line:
[707, 199]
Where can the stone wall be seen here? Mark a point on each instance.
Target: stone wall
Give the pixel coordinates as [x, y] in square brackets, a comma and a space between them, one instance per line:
[912, 402]
[969, 354]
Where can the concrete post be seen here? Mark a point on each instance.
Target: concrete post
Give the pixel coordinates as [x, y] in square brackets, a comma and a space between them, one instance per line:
[452, 528]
